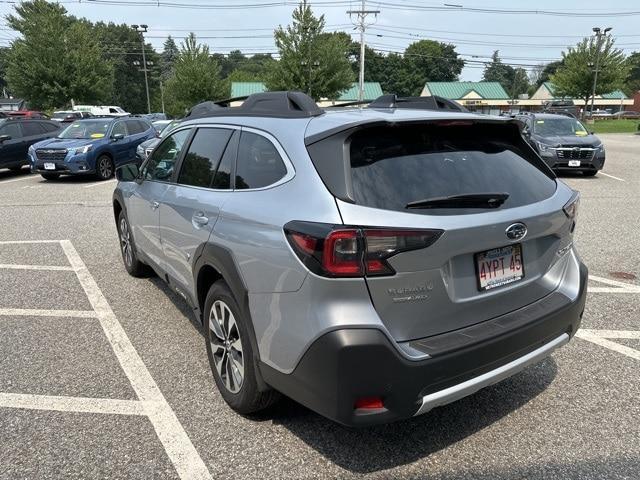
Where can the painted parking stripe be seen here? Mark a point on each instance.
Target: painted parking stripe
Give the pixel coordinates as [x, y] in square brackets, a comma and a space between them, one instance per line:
[97, 184]
[2, 182]
[35, 312]
[611, 176]
[14, 266]
[594, 336]
[628, 334]
[614, 286]
[72, 404]
[176, 442]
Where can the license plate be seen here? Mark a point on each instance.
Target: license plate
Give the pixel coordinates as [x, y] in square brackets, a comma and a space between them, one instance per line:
[498, 267]
[49, 166]
[574, 163]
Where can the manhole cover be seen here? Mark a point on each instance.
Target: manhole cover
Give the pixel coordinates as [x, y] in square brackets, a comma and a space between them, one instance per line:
[622, 275]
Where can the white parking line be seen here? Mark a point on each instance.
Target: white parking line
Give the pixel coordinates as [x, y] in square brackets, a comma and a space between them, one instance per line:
[628, 334]
[35, 312]
[15, 266]
[27, 177]
[175, 440]
[611, 176]
[599, 338]
[621, 287]
[108, 182]
[72, 404]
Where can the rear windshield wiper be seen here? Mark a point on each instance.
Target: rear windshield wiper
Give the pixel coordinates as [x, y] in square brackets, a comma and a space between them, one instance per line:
[469, 200]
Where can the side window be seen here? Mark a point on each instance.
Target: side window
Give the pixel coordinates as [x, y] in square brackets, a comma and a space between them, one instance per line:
[49, 127]
[144, 126]
[259, 164]
[160, 164]
[134, 127]
[201, 162]
[119, 127]
[12, 129]
[113, 110]
[31, 129]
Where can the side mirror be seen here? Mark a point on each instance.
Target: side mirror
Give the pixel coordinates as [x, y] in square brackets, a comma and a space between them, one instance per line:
[117, 136]
[128, 172]
[4, 138]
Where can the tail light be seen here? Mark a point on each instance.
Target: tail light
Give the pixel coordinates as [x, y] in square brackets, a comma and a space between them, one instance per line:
[571, 210]
[339, 251]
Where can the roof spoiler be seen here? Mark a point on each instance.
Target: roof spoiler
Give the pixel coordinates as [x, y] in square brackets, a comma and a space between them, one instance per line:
[419, 103]
[275, 104]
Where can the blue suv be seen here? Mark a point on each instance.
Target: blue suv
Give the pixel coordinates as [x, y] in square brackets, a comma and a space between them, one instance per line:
[93, 146]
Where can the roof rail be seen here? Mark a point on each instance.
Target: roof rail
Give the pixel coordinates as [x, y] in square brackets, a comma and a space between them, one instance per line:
[420, 103]
[267, 104]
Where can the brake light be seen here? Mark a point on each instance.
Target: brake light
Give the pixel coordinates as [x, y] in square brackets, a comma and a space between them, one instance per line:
[338, 251]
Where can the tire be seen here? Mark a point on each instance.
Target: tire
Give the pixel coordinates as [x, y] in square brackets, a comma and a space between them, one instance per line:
[230, 353]
[590, 173]
[104, 167]
[50, 176]
[134, 267]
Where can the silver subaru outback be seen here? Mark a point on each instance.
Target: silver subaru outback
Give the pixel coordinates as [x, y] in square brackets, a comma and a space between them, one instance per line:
[370, 263]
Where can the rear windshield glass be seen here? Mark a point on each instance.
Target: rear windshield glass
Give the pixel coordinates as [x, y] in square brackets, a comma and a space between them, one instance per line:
[393, 166]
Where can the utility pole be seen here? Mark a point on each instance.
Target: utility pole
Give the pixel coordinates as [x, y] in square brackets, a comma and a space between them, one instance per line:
[599, 36]
[141, 29]
[361, 24]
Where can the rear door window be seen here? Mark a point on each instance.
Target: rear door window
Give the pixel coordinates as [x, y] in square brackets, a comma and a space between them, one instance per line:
[134, 127]
[31, 129]
[392, 166]
[201, 162]
[259, 164]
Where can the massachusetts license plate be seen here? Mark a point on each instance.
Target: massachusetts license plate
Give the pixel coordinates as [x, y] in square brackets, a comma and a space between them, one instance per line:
[498, 267]
[49, 166]
[574, 163]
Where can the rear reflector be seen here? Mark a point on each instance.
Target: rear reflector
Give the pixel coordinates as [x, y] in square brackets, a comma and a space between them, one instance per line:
[368, 403]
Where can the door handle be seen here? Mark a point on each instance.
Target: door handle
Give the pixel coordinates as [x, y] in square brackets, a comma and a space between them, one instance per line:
[200, 218]
[155, 205]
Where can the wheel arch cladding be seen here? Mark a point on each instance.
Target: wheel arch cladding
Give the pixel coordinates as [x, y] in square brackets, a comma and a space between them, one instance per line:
[217, 263]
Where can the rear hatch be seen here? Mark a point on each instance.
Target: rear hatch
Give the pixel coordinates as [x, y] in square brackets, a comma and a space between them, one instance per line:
[498, 206]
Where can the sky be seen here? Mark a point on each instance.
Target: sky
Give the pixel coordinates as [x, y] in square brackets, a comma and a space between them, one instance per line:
[525, 39]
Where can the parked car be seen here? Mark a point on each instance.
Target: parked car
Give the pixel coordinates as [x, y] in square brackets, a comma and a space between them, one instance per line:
[146, 147]
[18, 134]
[102, 110]
[66, 116]
[153, 117]
[160, 124]
[93, 146]
[27, 114]
[627, 114]
[564, 143]
[370, 266]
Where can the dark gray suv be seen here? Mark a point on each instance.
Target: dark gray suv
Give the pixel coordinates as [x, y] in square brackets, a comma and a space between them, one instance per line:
[371, 263]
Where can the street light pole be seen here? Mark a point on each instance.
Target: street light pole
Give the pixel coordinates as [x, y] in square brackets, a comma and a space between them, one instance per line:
[361, 24]
[599, 35]
[142, 30]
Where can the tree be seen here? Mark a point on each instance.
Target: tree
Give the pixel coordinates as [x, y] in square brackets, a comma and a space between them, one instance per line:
[633, 78]
[431, 61]
[121, 48]
[168, 57]
[310, 61]
[57, 58]
[4, 52]
[195, 79]
[496, 71]
[575, 77]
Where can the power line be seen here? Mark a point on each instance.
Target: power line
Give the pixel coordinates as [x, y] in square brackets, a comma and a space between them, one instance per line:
[361, 23]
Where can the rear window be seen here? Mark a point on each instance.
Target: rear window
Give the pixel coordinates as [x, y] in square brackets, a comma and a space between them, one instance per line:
[392, 166]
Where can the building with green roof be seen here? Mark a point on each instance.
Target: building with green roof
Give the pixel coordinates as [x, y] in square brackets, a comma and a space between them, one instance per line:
[485, 97]
[372, 90]
[614, 101]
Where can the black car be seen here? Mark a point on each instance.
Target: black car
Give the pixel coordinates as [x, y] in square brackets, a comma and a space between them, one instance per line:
[563, 142]
[18, 134]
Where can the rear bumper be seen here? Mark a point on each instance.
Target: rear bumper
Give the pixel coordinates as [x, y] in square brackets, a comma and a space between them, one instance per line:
[346, 364]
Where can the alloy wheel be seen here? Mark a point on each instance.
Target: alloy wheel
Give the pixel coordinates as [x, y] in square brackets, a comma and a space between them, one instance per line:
[105, 168]
[226, 346]
[125, 242]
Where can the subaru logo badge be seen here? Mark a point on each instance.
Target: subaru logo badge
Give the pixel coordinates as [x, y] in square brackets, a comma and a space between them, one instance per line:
[516, 231]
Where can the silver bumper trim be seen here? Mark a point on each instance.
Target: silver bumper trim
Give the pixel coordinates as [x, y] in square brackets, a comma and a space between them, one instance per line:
[456, 392]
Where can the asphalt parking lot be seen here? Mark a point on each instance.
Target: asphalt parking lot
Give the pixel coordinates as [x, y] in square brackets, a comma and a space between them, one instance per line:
[106, 376]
